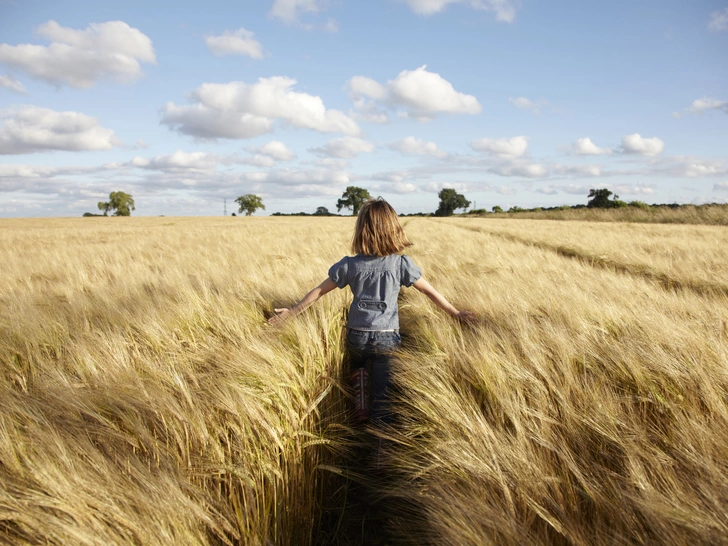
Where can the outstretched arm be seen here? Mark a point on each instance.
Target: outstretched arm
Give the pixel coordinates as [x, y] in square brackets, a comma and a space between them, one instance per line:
[309, 299]
[426, 288]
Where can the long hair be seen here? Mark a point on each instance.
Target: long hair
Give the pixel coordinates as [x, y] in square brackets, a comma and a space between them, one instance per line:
[378, 231]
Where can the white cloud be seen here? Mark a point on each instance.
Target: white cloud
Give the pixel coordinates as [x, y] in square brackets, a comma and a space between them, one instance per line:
[584, 146]
[505, 10]
[277, 150]
[33, 129]
[701, 105]
[403, 188]
[577, 170]
[364, 92]
[39, 171]
[344, 148]
[640, 189]
[288, 11]
[426, 94]
[502, 147]
[423, 94]
[719, 20]
[177, 162]
[291, 12]
[573, 189]
[201, 121]
[240, 42]
[362, 86]
[79, 58]
[416, 146]
[522, 103]
[14, 85]
[694, 169]
[331, 26]
[435, 187]
[636, 144]
[720, 186]
[241, 110]
[299, 177]
[526, 170]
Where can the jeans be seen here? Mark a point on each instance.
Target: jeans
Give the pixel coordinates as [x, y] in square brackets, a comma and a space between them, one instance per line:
[374, 351]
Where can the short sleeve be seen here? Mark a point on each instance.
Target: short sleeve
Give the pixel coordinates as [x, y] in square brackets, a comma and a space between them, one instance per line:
[339, 272]
[409, 273]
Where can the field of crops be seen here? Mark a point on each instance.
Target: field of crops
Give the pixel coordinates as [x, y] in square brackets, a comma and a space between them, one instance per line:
[144, 399]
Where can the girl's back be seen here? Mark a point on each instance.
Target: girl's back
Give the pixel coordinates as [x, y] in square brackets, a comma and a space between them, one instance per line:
[374, 282]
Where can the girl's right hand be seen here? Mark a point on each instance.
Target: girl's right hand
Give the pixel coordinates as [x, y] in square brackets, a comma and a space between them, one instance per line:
[280, 316]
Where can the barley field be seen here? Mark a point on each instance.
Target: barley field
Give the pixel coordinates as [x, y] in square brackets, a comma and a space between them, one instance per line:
[144, 399]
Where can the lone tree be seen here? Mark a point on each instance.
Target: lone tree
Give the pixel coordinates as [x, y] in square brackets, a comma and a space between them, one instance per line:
[121, 203]
[599, 199]
[353, 198]
[249, 203]
[322, 211]
[450, 201]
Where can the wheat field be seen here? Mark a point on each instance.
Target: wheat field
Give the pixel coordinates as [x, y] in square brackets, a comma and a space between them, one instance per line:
[144, 399]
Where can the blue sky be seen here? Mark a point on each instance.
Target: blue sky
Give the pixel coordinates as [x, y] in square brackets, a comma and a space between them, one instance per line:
[511, 102]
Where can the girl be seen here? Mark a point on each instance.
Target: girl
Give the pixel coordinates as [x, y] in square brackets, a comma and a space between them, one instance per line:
[374, 275]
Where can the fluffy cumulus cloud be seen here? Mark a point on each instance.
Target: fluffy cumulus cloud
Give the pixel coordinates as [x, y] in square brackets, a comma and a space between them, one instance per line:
[79, 58]
[275, 149]
[636, 144]
[204, 122]
[33, 129]
[14, 85]
[701, 105]
[505, 10]
[344, 148]
[241, 110]
[719, 20]
[240, 42]
[416, 146]
[502, 147]
[584, 146]
[421, 93]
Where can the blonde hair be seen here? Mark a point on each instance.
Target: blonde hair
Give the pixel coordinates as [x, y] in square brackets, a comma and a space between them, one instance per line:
[378, 231]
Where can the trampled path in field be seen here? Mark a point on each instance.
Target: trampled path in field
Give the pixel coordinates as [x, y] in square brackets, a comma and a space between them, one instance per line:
[667, 281]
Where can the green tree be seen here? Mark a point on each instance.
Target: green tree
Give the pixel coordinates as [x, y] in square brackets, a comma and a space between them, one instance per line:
[249, 203]
[450, 201]
[121, 203]
[322, 211]
[353, 198]
[599, 199]
[497, 209]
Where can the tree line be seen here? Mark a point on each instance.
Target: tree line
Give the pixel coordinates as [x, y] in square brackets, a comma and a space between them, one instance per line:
[121, 204]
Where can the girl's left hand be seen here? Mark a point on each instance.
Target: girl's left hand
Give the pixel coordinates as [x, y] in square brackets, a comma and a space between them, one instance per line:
[280, 316]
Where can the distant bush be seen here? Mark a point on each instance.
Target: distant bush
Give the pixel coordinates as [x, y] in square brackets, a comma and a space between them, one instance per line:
[639, 205]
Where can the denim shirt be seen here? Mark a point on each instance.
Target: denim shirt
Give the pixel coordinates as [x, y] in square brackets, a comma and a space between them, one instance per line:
[374, 282]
